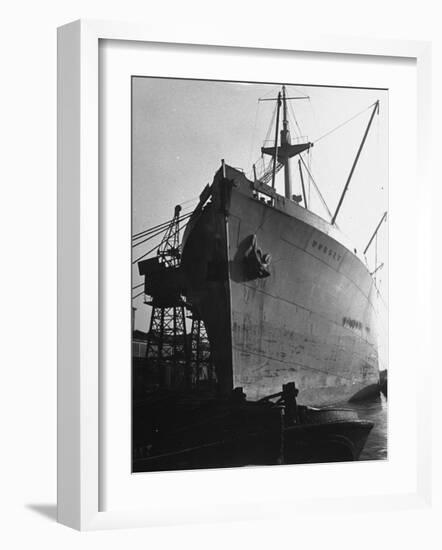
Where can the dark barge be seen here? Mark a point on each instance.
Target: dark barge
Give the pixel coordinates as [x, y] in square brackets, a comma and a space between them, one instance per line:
[176, 431]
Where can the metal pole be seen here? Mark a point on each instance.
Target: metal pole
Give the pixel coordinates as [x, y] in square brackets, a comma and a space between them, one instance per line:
[187, 353]
[302, 183]
[198, 358]
[375, 256]
[162, 366]
[285, 141]
[375, 109]
[276, 141]
[380, 266]
[375, 232]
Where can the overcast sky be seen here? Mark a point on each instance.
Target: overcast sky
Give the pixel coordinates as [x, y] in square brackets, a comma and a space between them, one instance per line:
[183, 128]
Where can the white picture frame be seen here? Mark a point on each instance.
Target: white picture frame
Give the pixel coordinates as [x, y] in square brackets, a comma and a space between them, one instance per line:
[79, 265]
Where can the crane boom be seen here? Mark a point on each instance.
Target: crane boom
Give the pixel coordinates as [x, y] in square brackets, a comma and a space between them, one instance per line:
[355, 162]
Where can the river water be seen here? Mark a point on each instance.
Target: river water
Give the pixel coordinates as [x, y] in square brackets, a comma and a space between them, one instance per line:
[375, 410]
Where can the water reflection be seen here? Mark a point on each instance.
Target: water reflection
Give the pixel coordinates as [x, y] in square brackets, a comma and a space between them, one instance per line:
[375, 410]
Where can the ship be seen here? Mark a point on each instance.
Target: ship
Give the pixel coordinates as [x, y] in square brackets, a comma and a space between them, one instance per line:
[282, 294]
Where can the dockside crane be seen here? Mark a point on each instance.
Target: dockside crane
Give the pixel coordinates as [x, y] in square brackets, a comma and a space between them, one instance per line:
[174, 358]
[167, 356]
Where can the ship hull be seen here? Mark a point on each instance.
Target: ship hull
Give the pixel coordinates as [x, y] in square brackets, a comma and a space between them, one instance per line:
[311, 319]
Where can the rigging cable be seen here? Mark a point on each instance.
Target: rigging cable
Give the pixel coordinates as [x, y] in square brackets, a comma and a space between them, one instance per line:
[137, 286]
[141, 234]
[316, 187]
[160, 227]
[292, 111]
[343, 123]
[152, 229]
[158, 245]
[253, 134]
[302, 92]
[162, 224]
[267, 138]
[189, 200]
[271, 91]
[159, 232]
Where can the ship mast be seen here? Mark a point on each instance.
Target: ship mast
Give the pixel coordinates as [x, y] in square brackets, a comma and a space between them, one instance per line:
[285, 151]
[285, 141]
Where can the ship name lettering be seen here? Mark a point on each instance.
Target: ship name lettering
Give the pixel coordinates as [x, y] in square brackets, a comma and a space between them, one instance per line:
[326, 250]
[352, 323]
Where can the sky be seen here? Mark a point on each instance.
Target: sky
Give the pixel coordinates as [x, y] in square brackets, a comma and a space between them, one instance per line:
[181, 129]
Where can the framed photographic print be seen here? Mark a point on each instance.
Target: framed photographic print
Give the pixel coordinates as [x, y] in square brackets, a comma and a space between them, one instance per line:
[234, 246]
[252, 320]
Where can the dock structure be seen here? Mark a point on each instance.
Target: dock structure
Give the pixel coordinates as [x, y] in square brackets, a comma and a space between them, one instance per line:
[203, 369]
[167, 357]
[174, 357]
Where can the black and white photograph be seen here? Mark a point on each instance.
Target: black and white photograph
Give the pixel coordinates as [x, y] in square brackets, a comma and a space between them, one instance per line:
[259, 274]
[231, 217]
